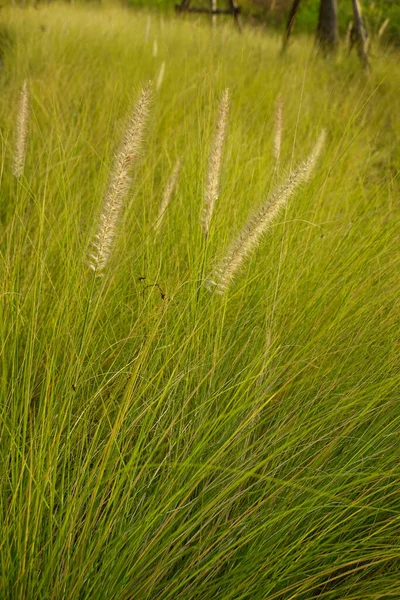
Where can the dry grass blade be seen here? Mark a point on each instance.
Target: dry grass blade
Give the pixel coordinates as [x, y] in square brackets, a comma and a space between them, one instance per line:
[120, 181]
[251, 235]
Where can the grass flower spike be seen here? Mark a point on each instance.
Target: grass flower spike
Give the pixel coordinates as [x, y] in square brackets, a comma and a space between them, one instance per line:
[160, 77]
[251, 235]
[155, 48]
[119, 182]
[22, 131]
[169, 191]
[214, 167]
[278, 129]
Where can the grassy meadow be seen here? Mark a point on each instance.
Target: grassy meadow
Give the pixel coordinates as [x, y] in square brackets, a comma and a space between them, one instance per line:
[158, 440]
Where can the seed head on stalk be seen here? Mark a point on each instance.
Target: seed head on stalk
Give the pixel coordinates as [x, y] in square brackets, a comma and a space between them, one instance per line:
[119, 182]
[214, 166]
[168, 193]
[278, 129]
[22, 131]
[251, 235]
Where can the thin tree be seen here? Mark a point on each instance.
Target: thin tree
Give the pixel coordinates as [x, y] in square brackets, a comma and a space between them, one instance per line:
[290, 23]
[327, 31]
[359, 35]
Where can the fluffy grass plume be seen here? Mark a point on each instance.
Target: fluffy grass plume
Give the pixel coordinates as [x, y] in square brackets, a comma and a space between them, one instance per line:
[22, 131]
[214, 166]
[383, 27]
[155, 48]
[160, 77]
[120, 181]
[278, 129]
[251, 235]
[168, 193]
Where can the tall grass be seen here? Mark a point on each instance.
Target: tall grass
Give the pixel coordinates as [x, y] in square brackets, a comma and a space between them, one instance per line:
[206, 450]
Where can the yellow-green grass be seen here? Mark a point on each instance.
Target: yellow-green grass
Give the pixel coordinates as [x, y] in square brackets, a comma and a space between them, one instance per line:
[159, 442]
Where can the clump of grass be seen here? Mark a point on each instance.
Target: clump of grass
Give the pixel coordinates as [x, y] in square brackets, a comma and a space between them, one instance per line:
[258, 224]
[22, 131]
[181, 450]
[168, 194]
[120, 181]
[214, 166]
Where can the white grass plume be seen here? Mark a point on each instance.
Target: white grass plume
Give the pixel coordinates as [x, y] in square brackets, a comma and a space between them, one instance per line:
[22, 131]
[383, 27]
[278, 129]
[251, 235]
[160, 77]
[147, 30]
[214, 166]
[119, 182]
[168, 193]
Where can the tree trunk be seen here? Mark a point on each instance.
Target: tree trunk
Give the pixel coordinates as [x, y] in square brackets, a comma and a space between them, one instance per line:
[360, 34]
[327, 32]
[290, 23]
[213, 15]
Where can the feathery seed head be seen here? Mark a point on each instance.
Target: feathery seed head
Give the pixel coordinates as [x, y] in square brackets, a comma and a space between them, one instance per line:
[214, 166]
[309, 164]
[120, 181]
[278, 128]
[160, 77]
[22, 131]
[251, 235]
[168, 193]
[383, 27]
[155, 47]
[147, 31]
